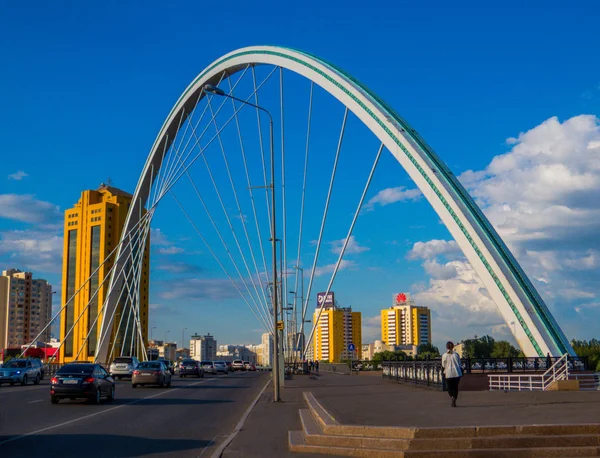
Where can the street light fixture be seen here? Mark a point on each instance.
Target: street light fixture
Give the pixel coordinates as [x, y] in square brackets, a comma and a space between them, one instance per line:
[214, 90]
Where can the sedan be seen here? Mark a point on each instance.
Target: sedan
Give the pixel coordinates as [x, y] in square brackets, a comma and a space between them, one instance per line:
[208, 367]
[151, 373]
[220, 367]
[190, 367]
[20, 371]
[77, 381]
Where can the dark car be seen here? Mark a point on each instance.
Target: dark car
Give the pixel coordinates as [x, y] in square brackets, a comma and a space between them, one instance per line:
[170, 365]
[82, 381]
[190, 367]
[151, 373]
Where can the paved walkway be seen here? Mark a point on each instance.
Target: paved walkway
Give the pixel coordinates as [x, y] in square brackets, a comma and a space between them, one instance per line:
[367, 399]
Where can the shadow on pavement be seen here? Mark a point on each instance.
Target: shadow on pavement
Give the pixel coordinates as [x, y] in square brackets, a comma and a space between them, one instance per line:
[149, 402]
[96, 445]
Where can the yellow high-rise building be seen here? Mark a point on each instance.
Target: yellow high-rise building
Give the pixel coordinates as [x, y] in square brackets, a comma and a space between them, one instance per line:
[336, 328]
[92, 231]
[404, 323]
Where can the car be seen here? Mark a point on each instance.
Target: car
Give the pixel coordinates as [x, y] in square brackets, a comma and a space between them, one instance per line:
[82, 381]
[190, 367]
[238, 365]
[247, 365]
[151, 373]
[208, 367]
[228, 364]
[251, 367]
[170, 365]
[123, 366]
[220, 367]
[21, 371]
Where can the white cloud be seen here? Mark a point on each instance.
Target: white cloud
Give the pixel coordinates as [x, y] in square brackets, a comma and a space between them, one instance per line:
[17, 176]
[329, 268]
[194, 289]
[26, 208]
[170, 250]
[353, 246]
[542, 198]
[371, 328]
[392, 195]
[32, 250]
[162, 244]
[433, 248]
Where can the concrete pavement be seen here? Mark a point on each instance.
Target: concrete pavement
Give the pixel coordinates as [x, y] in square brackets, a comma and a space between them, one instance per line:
[188, 420]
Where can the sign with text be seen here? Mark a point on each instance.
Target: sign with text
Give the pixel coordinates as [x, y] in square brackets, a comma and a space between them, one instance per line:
[325, 301]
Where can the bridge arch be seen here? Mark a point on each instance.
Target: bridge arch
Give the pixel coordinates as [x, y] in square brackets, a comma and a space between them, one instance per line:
[537, 332]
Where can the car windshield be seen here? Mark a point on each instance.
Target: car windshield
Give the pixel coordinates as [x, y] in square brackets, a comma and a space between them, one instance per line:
[15, 364]
[188, 361]
[206, 363]
[149, 366]
[123, 360]
[76, 369]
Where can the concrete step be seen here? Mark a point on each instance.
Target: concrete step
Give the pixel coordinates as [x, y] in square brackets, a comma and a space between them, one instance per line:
[330, 426]
[297, 443]
[313, 435]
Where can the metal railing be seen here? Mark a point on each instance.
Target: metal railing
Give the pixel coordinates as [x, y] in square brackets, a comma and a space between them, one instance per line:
[587, 382]
[531, 382]
[428, 373]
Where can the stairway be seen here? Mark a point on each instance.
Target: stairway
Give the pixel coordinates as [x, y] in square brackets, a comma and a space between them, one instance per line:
[321, 433]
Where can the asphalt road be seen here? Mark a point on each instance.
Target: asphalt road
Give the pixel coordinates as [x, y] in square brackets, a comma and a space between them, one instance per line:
[190, 419]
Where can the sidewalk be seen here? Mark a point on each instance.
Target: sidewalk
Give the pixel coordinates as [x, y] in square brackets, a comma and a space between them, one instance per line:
[371, 400]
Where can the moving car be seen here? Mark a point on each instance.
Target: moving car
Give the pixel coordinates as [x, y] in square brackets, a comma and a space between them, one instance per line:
[170, 365]
[123, 366]
[151, 373]
[251, 367]
[88, 381]
[228, 364]
[190, 367]
[208, 367]
[220, 367]
[238, 365]
[21, 371]
[247, 365]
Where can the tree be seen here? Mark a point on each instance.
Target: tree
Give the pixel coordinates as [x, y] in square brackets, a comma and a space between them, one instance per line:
[503, 349]
[428, 350]
[590, 349]
[389, 356]
[478, 347]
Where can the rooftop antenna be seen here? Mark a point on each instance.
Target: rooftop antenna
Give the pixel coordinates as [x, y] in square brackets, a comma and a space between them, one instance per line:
[109, 181]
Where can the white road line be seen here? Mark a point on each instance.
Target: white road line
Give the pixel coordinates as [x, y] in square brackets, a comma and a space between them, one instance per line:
[22, 436]
[37, 400]
[218, 452]
[14, 390]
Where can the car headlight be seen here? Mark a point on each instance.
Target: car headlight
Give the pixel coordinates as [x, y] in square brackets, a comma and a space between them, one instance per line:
[18, 372]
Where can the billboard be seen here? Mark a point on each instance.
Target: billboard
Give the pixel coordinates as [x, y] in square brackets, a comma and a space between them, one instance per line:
[401, 298]
[325, 301]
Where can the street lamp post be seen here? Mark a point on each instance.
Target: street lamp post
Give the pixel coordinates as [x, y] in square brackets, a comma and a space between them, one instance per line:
[211, 89]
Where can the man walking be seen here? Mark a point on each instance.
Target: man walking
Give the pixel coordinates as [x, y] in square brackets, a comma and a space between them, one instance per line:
[317, 367]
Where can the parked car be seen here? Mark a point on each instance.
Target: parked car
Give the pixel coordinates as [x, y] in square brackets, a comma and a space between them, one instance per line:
[208, 367]
[123, 366]
[190, 367]
[238, 365]
[151, 373]
[76, 381]
[220, 367]
[21, 371]
[170, 365]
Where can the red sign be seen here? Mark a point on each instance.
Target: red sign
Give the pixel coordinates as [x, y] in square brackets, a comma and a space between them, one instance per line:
[400, 298]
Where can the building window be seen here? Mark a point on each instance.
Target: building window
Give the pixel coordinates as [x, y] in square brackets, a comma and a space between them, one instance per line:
[70, 306]
[93, 305]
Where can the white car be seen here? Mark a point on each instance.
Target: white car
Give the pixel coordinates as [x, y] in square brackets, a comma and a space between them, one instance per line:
[220, 366]
[238, 365]
[123, 366]
[209, 367]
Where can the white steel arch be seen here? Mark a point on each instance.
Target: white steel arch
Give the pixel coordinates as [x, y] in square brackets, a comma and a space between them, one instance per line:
[516, 297]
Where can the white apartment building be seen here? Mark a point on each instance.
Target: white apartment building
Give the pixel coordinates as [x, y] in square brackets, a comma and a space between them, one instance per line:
[25, 308]
[267, 350]
[203, 348]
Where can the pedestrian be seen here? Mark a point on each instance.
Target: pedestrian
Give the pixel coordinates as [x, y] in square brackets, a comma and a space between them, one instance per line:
[312, 365]
[452, 371]
[317, 367]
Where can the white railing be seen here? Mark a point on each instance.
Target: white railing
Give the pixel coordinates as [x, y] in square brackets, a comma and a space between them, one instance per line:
[531, 382]
[587, 382]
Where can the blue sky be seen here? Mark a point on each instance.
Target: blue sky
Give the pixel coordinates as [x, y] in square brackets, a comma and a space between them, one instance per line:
[85, 88]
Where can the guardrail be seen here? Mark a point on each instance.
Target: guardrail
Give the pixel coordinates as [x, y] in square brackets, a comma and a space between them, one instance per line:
[531, 382]
[338, 368]
[428, 373]
[587, 382]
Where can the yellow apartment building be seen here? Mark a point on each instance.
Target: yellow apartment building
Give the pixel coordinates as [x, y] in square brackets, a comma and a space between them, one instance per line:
[404, 323]
[336, 328]
[92, 231]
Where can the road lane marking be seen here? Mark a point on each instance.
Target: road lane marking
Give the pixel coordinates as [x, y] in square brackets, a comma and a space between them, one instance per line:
[218, 452]
[37, 400]
[33, 433]
[30, 388]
